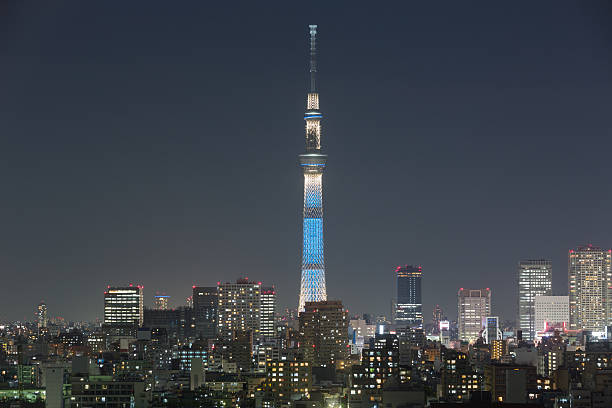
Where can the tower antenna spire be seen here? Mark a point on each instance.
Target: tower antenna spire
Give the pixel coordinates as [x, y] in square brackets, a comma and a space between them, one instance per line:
[313, 57]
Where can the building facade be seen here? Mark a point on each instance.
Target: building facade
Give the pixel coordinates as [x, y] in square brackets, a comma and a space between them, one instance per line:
[177, 324]
[491, 331]
[534, 279]
[268, 312]
[312, 287]
[161, 302]
[288, 377]
[124, 305]
[324, 332]
[205, 310]
[551, 311]
[239, 308]
[474, 305]
[590, 288]
[42, 318]
[409, 306]
[457, 377]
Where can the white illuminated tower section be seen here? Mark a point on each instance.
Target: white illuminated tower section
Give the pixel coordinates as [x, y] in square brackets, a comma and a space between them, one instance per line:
[312, 287]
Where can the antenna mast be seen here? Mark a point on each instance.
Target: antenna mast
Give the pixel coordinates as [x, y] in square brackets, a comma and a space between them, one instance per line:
[313, 58]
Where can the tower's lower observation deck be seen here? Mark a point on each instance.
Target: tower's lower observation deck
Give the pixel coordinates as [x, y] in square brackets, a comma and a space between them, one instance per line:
[313, 161]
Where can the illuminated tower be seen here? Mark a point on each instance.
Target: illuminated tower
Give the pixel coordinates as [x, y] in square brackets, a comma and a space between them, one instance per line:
[590, 288]
[268, 311]
[409, 308]
[41, 315]
[312, 288]
[534, 279]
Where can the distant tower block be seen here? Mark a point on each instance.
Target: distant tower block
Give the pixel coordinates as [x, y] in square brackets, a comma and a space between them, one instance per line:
[42, 315]
[409, 307]
[312, 288]
[161, 302]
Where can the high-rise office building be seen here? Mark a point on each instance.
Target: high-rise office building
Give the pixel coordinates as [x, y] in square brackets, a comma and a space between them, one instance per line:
[324, 331]
[205, 309]
[239, 308]
[175, 323]
[590, 288]
[268, 312]
[42, 317]
[437, 316]
[551, 311]
[474, 305]
[161, 302]
[123, 305]
[534, 279]
[409, 306]
[312, 287]
[491, 330]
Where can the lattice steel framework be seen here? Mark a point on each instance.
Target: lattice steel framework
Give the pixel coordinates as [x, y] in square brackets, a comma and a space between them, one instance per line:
[312, 288]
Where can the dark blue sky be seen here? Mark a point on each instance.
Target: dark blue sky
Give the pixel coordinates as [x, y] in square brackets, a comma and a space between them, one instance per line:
[156, 143]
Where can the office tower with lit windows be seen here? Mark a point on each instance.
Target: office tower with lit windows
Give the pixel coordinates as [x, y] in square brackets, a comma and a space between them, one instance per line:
[590, 288]
[551, 311]
[123, 305]
[312, 286]
[534, 279]
[205, 307]
[474, 305]
[324, 332]
[161, 302]
[268, 312]
[409, 306]
[239, 308]
[42, 318]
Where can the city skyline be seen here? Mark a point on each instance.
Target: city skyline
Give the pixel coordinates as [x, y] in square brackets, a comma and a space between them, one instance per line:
[150, 187]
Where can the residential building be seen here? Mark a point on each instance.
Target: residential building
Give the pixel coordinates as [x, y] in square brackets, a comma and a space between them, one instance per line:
[590, 288]
[268, 312]
[324, 332]
[239, 307]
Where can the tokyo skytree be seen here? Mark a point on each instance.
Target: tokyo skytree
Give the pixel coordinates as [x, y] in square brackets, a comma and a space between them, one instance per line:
[312, 288]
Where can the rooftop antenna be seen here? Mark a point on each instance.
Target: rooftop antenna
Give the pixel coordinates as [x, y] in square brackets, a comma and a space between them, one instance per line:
[313, 58]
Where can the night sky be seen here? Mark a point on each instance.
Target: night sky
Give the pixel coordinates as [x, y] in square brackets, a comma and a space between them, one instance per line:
[156, 143]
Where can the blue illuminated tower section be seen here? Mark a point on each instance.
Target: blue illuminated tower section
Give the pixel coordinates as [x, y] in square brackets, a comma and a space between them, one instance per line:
[312, 288]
